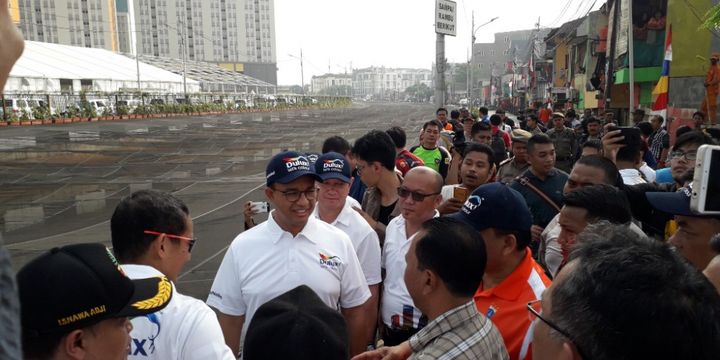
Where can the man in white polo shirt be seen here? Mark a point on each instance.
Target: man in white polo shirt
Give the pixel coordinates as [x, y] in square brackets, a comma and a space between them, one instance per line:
[334, 207]
[419, 199]
[152, 235]
[291, 248]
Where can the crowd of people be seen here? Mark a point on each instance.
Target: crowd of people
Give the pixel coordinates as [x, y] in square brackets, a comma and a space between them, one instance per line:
[549, 237]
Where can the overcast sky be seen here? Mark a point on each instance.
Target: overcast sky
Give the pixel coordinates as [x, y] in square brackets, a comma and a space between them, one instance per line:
[395, 33]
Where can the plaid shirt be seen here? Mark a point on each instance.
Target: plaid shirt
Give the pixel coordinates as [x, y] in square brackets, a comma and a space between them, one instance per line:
[658, 141]
[462, 334]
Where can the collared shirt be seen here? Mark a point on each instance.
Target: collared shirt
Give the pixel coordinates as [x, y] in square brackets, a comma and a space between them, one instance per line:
[185, 329]
[267, 261]
[364, 240]
[552, 186]
[396, 306]
[632, 177]
[506, 305]
[509, 170]
[461, 333]
[565, 142]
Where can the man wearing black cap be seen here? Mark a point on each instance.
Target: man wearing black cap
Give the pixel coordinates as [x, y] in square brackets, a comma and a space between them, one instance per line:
[291, 248]
[75, 304]
[692, 238]
[334, 208]
[152, 235]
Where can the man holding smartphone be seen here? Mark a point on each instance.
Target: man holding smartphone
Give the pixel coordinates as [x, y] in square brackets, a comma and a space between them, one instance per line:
[476, 168]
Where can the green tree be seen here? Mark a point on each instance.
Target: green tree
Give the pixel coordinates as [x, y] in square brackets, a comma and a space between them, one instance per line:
[419, 92]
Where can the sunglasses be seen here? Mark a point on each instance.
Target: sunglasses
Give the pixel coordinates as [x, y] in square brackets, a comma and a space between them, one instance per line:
[416, 196]
[191, 241]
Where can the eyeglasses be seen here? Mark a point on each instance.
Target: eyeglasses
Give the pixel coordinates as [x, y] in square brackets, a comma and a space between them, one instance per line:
[691, 155]
[416, 196]
[191, 241]
[535, 309]
[359, 169]
[294, 195]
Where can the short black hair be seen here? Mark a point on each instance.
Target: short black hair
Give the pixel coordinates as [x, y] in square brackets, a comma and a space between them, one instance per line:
[593, 143]
[693, 137]
[522, 238]
[681, 130]
[616, 282]
[478, 127]
[592, 120]
[432, 123]
[612, 174]
[602, 202]
[375, 146]
[495, 119]
[483, 110]
[630, 153]
[715, 243]
[455, 251]
[532, 117]
[699, 113]
[455, 114]
[336, 144]
[440, 109]
[645, 128]
[397, 134]
[140, 211]
[481, 148]
[536, 140]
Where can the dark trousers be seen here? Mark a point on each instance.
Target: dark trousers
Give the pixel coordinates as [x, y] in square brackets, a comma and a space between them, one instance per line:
[392, 337]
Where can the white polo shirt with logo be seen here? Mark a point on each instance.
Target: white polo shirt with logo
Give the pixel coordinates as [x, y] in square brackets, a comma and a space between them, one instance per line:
[364, 239]
[397, 308]
[266, 261]
[185, 329]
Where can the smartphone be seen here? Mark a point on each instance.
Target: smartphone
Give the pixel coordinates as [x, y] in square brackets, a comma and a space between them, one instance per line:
[260, 206]
[461, 193]
[631, 134]
[705, 198]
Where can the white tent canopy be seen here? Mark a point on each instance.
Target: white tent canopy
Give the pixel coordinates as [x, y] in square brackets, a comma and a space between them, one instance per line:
[42, 65]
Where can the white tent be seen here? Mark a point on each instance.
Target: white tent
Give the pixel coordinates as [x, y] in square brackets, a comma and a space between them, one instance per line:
[43, 65]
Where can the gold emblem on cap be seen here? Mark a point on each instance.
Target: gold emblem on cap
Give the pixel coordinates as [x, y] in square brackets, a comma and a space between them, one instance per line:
[162, 296]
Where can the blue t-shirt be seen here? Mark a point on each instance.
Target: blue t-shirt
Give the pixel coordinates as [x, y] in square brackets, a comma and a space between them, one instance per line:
[664, 176]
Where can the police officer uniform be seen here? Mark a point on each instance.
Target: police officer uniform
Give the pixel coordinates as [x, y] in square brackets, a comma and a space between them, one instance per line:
[565, 143]
[509, 169]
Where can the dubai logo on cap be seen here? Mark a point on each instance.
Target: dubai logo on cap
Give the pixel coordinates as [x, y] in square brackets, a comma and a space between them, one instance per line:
[296, 163]
[333, 165]
[472, 203]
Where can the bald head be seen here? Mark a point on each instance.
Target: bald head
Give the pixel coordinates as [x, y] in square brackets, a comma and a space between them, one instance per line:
[426, 175]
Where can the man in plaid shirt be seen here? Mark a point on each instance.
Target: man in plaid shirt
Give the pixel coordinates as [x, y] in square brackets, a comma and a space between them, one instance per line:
[659, 141]
[445, 264]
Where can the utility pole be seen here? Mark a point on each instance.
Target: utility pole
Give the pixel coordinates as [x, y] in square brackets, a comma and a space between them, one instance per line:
[440, 66]
[302, 73]
[184, 66]
[470, 67]
[631, 59]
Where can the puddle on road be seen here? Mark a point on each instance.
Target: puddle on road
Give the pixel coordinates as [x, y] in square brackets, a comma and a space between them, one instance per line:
[83, 135]
[19, 142]
[177, 127]
[137, 131]
[213, 171]
[23, 217]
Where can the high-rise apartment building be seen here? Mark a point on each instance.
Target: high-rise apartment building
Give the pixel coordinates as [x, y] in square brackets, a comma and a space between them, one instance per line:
[85, 23]
[236, 34]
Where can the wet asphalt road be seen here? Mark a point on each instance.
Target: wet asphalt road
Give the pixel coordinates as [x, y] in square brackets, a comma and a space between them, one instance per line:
[60, 184]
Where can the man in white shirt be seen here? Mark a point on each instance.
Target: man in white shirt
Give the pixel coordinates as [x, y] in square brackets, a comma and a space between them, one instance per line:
[291, 248]
[629, 160]
[419, 197]
[334, 207]
[152, 235]
[476, 168]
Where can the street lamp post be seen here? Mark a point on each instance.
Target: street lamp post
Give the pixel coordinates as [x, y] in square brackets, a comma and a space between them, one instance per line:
[472, 44]
[302, 71]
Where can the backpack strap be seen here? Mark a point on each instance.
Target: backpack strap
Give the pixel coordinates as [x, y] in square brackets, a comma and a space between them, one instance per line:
[525, 181]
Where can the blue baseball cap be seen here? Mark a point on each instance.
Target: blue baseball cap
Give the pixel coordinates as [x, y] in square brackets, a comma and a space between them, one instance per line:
[333, 166]
[673, 203]
[495, 206]
[286, 167]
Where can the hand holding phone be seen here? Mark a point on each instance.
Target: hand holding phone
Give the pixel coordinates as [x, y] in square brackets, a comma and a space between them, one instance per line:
[705, 199]
[461, 193]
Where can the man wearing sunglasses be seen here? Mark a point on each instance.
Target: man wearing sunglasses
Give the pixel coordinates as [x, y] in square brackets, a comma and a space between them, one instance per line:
[419, 198]
[290, 249]
[607, 304]
[152, 235]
